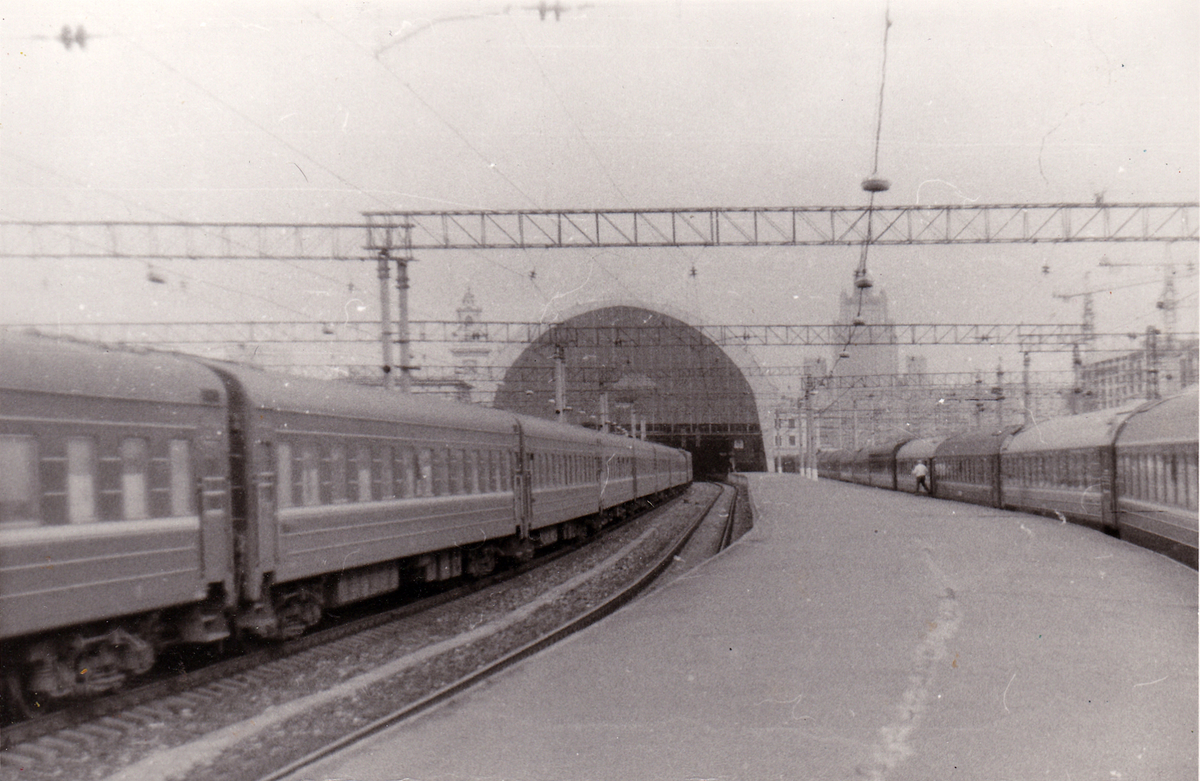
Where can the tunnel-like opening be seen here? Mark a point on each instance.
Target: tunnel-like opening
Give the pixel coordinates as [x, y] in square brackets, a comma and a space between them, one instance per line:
[647, 370]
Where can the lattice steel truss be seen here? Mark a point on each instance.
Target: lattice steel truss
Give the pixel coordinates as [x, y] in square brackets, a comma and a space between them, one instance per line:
[564, 229]
[1051, 337]
[787, 226]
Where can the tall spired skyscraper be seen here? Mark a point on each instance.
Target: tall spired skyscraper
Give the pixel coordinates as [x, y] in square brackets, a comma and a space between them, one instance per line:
[865, 363]
[871, 346]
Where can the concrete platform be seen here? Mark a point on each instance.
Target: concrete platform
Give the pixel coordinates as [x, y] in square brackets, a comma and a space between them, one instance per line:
[855, 633]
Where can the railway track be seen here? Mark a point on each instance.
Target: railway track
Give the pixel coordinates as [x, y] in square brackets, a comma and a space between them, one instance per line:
[111, 738]
[607, 606]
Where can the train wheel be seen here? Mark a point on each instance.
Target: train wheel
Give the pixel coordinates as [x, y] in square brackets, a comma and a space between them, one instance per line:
[297, 612]
[481, 561]
[15, 703]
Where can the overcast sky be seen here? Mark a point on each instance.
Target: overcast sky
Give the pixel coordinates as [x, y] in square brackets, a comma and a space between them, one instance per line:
[313, 112]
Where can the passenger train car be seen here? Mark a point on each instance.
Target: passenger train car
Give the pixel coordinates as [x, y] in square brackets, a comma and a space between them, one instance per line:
[149, 499]
[1130, 471]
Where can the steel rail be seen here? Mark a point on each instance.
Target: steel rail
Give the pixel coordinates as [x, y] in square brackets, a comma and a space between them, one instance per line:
[17, 733]
[582, 621]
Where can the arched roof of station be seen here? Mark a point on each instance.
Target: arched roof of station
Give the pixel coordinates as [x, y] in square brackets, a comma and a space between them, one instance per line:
[648, 361]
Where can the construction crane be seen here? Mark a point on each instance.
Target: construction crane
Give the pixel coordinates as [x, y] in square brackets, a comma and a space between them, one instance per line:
[1168, 301]
[1089, 309]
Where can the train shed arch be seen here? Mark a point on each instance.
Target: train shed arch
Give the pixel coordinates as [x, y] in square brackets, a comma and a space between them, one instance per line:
[650, 369]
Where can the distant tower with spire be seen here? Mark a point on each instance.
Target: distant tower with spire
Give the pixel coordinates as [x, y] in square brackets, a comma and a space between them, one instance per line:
[471, 351]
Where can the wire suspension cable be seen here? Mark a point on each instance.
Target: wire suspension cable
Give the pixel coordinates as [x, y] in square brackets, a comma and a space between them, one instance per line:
[872, 184]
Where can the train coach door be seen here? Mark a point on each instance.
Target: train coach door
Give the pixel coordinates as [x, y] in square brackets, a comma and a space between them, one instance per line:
[522, 469]
[212, 499]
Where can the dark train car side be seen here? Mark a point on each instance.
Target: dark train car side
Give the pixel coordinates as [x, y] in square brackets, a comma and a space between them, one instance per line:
[1064, 467]
[1156, 485]
[966, 466]
[1129, 471]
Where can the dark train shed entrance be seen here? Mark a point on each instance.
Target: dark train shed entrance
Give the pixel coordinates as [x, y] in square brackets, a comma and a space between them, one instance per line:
[639, 368]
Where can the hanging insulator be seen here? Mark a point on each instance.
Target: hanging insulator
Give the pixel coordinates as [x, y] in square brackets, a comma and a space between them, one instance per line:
[863, 280]
[859, 321]
[875, 184]
[844, 354]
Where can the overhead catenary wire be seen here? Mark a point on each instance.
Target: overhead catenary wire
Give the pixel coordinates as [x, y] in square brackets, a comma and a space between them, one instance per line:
[872, 185]
[174, 271]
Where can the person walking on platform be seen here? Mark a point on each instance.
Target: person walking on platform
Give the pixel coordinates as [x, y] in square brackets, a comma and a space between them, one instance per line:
[920, 471]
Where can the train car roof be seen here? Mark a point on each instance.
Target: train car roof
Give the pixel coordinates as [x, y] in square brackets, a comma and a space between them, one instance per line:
[306, 396]
[552, 429]
[918, 448]
[978, 442]
[1175, 419]
[887, 448]
[1090, 429]
[45, 364]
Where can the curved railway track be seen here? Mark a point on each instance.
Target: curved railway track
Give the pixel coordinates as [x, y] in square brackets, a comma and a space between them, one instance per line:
[613, 602]
[104, 730]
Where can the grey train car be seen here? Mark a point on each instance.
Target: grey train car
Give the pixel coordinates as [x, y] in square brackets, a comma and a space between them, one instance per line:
[1128, 471]
[966, 466]
[1155, 458]
[881, 464]
[1064, 466]
[149, 499]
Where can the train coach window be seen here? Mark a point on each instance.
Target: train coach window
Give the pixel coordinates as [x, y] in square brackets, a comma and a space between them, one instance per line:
[457, 484]
[310, 475]
[1145, 477]
[1133, 482]
[1170, 479]
[1190, 478]
[179, 456]
[425, 472]
[441, 472]
[488, 476]
[337, 473]
[472, 470]
[18, 489]
[387, 482]
[134, 459]
[362, 470]
[283, 474]
[406, 473]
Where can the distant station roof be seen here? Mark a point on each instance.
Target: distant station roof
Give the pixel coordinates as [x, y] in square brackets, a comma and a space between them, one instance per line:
[648, 365]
